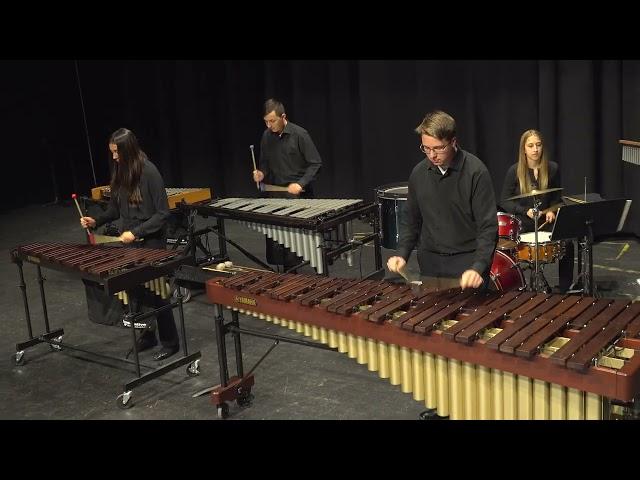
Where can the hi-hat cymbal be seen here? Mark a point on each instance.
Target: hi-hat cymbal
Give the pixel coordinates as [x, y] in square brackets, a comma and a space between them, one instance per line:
[534, 193]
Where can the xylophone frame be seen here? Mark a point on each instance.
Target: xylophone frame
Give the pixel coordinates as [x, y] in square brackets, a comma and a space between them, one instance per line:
[135, 318]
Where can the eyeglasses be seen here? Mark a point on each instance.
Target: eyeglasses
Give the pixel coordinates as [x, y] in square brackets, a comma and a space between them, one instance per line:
[438, 149]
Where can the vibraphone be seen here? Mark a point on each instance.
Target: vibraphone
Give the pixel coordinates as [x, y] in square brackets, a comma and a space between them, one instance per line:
[119, 270]
[318, 230]
[494, 355]
[174, 195]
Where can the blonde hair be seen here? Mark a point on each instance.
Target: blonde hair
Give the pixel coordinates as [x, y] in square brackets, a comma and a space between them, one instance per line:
[523, 167]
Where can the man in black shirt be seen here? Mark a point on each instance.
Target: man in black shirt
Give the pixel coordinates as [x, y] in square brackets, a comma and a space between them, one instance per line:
[451, 211]
[288, 158]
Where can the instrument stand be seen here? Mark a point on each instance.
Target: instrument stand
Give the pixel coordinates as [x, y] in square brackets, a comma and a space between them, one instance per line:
[134, 317]
[238, 387]
[193, 240]
[585, 221]
[538, 281]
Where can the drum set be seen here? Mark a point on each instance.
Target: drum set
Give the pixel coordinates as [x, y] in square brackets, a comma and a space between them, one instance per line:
[515, 251]
[531, 250]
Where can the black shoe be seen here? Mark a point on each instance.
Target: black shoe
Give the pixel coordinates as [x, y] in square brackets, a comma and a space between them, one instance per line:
[144, 342]
[428, 414]
[165, 352]
[431, 414]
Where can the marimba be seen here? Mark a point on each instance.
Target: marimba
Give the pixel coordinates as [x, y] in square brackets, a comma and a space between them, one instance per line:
[174, 195]
[318, 230]
[494, 355]
[118, 269]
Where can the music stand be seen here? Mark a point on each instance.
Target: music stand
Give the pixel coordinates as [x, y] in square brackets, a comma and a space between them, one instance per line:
[588, 220]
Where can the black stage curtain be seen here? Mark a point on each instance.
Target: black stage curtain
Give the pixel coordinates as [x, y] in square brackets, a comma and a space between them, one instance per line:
[196, 119]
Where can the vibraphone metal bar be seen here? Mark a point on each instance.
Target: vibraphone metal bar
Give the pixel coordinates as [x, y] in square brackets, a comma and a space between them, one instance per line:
[318, 230]
[119, 269]
[469, 355]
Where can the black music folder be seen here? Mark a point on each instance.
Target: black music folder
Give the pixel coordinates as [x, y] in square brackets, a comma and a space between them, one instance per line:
[605, 217]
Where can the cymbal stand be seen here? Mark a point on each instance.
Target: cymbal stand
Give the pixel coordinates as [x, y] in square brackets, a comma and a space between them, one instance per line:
[539, 283]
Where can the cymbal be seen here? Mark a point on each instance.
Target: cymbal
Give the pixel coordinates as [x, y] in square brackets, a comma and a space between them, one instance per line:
[534, 193]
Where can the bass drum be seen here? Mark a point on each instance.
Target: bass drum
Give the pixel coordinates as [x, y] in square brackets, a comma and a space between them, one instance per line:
[505, 273]
[391, 200]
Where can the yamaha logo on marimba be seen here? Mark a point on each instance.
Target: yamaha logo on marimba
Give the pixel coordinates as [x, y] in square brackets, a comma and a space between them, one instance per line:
[245, 300]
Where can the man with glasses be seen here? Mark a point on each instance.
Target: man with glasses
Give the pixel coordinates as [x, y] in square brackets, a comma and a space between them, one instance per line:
[451, 211]
[288, 158]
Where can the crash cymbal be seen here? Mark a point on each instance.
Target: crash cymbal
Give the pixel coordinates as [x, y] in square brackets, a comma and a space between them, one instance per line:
[534, 193]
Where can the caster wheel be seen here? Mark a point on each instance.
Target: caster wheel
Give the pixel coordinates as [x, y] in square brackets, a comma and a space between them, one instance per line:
[123, 401]
[193, 369]
[18, 359]
[56, 348]
[186, 294]
[245, 400]
[223, 410]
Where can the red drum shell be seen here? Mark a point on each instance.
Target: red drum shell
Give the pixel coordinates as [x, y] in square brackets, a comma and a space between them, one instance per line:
[505, 273]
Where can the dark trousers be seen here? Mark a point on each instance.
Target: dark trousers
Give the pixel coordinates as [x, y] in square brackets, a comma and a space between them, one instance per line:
[167, 331]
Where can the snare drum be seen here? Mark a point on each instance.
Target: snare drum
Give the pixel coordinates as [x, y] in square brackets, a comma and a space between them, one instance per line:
[548, 251]
[392, 200]
[505, 273]
[509, 227]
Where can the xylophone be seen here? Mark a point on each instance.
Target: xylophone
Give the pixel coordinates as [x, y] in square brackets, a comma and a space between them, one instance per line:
[316, 229]
[118, 269]
[493, 355]
[174, 195]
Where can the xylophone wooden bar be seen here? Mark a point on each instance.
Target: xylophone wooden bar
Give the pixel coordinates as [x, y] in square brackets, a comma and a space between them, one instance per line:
[116, 267]
[174, 195]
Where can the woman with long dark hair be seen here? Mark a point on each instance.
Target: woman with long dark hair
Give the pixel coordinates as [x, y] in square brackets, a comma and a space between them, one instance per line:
[139, 198]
